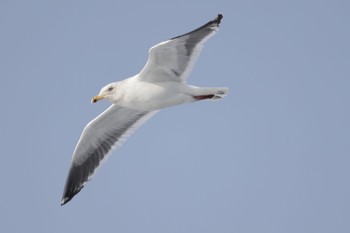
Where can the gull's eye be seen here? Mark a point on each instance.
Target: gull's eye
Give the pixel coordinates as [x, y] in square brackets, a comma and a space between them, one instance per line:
[110, 89]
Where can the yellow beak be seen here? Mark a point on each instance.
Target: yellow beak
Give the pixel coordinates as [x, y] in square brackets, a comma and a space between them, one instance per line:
[96, 98]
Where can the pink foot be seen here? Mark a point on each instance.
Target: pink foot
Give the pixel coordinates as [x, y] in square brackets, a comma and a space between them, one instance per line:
[203, 97]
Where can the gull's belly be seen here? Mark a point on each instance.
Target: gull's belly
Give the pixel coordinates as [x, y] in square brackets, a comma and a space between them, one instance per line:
[154, 96]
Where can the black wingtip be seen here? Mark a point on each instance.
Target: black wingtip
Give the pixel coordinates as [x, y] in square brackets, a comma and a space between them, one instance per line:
[69, 195]
[65, 200]
[219, 18]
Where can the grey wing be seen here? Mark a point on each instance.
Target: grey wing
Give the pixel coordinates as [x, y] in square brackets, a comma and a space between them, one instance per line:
[174, 59]
[100, 136]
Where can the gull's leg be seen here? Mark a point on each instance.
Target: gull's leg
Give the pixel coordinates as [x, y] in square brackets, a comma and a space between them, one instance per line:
[200, 93]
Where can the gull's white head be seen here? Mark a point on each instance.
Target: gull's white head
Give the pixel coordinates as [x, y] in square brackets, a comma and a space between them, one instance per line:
[108, 92]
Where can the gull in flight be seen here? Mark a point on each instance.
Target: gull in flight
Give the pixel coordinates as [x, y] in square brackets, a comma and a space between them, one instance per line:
[160, 84]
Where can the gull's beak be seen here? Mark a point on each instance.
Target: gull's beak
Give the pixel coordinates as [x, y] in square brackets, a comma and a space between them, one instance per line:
[96, 98]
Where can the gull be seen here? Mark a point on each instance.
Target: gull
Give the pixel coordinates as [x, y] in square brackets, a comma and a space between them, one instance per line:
[160, 84]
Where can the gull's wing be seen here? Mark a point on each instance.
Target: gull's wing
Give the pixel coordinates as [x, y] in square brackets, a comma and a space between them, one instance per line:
[173, 60]
[100, 136]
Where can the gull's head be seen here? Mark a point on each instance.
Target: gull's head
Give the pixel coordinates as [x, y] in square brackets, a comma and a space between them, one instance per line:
[107, 92]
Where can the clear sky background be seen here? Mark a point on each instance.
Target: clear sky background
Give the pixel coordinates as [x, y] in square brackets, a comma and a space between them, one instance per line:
[273, 156]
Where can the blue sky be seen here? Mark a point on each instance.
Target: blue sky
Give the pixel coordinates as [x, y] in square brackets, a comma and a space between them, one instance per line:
[273, 156]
